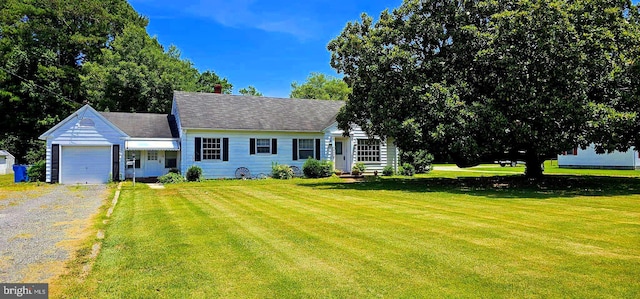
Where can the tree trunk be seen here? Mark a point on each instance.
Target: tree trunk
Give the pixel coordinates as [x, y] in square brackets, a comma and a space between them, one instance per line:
[534, 165]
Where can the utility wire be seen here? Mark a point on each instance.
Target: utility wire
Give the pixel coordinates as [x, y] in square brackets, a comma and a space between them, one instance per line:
[73, 103]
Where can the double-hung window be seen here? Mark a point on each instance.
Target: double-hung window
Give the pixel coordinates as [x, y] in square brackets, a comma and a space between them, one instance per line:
[368, 150]
[211, 149]
[306, 148]
[263, 146]
[170, 159]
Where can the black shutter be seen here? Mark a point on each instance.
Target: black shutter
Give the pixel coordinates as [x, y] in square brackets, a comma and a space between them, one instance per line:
[115, 169]
[274, 146]
[252, 146]
[295, 149]
[198, 148]
[55, 163]
[317, 149]
[225, 149]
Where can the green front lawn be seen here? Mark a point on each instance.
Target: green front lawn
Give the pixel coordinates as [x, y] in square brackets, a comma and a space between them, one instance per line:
[414, 238]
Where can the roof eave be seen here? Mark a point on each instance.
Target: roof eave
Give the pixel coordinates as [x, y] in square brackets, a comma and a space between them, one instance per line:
[252, 130]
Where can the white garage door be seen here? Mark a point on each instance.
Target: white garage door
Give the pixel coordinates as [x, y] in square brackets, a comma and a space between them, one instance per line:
[85, 164]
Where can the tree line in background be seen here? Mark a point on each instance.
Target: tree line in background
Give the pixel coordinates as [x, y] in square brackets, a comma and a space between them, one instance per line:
[57, 55]
[478, 79]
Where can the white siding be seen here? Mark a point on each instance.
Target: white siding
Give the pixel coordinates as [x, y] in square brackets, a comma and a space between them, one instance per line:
[589, 159]
[637, 154]
[6, 164]
[393, 156]
[70, 133]
[239, 155]
[388, 151]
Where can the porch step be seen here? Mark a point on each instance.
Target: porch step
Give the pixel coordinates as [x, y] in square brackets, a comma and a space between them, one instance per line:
[150, 180]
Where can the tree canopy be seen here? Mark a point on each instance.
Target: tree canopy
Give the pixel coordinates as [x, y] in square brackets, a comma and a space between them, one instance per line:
[56, 55]
[322, 87]
[250, 91]
[480, 79]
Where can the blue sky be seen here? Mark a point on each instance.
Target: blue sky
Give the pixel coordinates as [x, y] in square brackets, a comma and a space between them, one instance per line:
[267, 44]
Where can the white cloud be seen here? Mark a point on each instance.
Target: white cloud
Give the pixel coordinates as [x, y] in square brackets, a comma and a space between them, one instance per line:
[248, 14]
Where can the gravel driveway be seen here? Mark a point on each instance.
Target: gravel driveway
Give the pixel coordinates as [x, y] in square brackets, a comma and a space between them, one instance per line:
[38, 228]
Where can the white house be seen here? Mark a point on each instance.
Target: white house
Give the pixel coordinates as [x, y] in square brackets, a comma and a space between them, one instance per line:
[217, 132]
[6, 162]
[587, 158]
[91, 147]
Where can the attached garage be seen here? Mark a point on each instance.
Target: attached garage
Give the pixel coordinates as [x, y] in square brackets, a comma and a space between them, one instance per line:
[88, 146]
[85, 164]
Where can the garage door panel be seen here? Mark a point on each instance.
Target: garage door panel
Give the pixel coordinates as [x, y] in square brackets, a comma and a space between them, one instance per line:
[85, 164]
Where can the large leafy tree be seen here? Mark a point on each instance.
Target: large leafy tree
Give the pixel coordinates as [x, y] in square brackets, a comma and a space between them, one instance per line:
[136, 74]
[322, 87]
[56, 55]
[208, 80]
[477, 79]
[43, 46]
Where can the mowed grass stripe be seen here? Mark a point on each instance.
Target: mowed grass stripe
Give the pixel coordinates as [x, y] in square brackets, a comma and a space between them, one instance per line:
[322, 238]
[259, 245]
[541, 241]
[294, 234]
[227, 255]
[252, 200]
[293, 238]
[268, 244]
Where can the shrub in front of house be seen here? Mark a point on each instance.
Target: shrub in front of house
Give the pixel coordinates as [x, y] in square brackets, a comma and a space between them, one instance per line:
[36, 172]
[387, 170]
[421, 160]
[281, 171]
[313, 168]
[407, 169]
[174, 170]
[358, 168]
[194, 173]
[171, 178]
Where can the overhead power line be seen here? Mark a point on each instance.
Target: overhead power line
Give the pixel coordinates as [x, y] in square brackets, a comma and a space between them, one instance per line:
[71, 102]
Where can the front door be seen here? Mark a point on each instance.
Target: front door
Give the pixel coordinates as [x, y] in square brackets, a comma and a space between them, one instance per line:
[341, 155]
[154, 164]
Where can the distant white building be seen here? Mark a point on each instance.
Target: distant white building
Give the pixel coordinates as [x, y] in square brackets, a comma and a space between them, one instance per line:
[6, 162]
[587, 158]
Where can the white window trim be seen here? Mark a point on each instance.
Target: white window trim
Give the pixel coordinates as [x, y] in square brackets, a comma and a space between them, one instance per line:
[202, 148]
[359, 156]
[270, 142]
[313, 148]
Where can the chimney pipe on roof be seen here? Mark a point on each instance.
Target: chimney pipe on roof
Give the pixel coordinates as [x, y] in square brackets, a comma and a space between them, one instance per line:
[217, 88]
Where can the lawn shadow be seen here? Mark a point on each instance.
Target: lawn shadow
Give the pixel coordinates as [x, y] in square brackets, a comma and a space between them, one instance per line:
[499, 187]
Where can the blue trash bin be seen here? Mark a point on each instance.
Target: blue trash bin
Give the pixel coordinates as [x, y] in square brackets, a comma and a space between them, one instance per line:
[20, 173]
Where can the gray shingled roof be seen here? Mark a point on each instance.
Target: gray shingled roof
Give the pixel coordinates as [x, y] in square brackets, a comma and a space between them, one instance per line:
[143, 125]
[233, 112]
